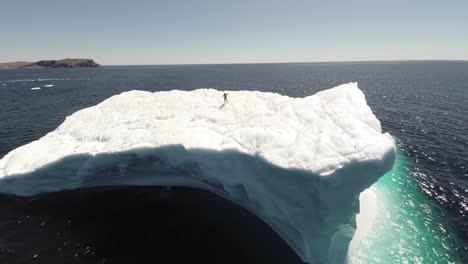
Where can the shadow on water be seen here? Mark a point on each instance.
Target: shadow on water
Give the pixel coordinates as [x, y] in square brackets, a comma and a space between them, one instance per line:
[96, 223]
[135, 225]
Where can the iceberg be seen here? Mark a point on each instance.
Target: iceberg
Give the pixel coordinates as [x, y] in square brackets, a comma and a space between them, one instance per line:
[299, 164]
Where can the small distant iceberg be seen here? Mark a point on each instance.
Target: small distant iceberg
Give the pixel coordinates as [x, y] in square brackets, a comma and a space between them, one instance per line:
[36, 88]
[297, 163]
[48, 85]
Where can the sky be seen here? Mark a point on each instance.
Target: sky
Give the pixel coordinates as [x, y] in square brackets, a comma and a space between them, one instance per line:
[137, 32]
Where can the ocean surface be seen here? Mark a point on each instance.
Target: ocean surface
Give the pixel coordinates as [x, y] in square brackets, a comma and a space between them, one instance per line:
[423, 208]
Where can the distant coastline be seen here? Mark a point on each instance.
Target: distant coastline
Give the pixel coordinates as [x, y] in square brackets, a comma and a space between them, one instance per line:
[65, 63]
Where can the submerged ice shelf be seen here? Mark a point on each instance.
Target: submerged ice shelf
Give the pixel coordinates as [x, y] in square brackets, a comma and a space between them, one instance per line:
[297, 163]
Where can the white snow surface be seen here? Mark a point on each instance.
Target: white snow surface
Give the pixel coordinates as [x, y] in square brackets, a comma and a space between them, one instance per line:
[297, 163]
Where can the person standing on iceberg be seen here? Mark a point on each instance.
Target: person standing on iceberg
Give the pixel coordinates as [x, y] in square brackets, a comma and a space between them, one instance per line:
[225, 100]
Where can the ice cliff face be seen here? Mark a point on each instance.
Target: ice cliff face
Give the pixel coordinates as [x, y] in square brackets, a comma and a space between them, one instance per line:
[298, 163]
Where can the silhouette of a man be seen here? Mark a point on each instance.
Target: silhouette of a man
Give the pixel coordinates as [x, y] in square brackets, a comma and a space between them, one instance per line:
[225, 97]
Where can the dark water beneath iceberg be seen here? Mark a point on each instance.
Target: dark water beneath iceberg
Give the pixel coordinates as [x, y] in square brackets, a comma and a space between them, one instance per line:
[424, 218]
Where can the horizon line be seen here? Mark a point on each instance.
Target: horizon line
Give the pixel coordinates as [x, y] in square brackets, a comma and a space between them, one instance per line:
[288, 62]
[276, 62]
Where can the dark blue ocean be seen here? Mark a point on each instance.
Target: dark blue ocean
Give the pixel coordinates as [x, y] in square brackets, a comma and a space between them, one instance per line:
[423, 104]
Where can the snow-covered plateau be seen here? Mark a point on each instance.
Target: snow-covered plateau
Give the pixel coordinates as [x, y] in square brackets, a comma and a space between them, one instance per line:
[297, 163]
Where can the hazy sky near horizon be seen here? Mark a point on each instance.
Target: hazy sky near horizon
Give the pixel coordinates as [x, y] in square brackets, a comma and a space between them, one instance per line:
[236, 31]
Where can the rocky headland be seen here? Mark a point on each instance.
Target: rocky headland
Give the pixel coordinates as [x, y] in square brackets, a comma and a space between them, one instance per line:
[65, 63]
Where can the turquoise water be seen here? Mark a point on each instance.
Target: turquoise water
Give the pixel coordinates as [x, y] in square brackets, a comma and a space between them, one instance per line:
[405, 226]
